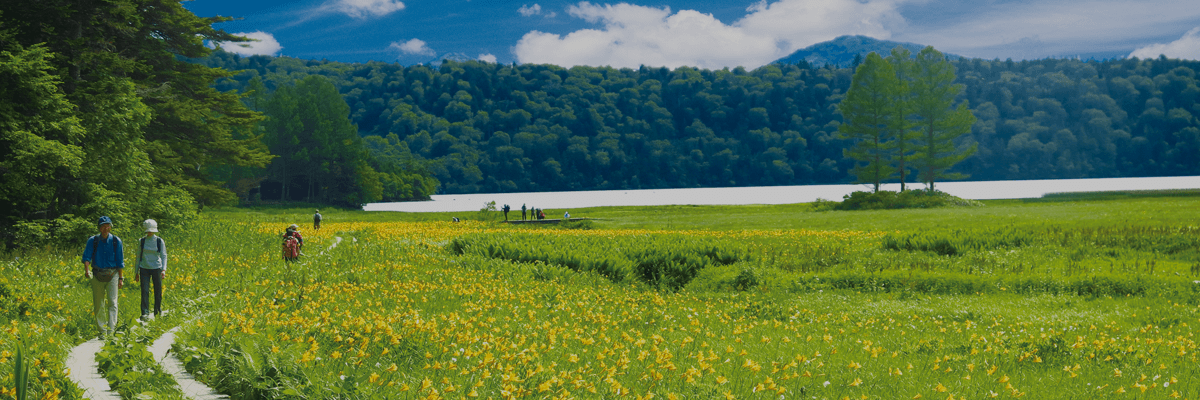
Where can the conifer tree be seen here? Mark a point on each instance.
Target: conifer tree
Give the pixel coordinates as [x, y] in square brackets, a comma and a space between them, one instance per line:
[902, 144]
[870, 119]
[937, 121]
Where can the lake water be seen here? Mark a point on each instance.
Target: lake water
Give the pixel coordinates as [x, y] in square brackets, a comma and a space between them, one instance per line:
[984, 190]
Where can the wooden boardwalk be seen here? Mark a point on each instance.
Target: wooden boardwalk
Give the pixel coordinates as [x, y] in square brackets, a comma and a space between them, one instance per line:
[544, 221]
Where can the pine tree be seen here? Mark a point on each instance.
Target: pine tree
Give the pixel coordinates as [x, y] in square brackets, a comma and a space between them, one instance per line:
[939, 124]
[903, 136]
[869, 119]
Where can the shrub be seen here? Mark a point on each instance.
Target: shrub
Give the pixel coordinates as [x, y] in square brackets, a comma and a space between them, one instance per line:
[886, 200]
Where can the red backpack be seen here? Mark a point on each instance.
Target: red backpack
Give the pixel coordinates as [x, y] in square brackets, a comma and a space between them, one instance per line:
[291, 246]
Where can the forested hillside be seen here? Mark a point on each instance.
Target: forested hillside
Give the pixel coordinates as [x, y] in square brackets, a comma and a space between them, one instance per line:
[491, 127]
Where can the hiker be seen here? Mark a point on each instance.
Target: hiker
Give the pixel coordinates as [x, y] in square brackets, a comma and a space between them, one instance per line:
[293, 243]
[567, 215]
[522, 212]
[541, 214]
[152, 267]
[103, 264]
[506, 208]
[317, 220]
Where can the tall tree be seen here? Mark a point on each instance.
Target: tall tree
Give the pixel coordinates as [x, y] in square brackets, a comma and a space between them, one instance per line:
[38, 132]
[939, 123]
[869, 118]
[904, 136]
[118, 55]
[321, 155]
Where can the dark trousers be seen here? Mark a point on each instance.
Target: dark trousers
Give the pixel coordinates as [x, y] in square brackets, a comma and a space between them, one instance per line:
[151, 277]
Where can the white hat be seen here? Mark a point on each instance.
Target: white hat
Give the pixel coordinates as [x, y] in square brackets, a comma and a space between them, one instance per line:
[150, 226]
[294, 227]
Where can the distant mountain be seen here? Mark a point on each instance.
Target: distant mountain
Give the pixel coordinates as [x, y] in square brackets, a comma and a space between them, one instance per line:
[841, 51]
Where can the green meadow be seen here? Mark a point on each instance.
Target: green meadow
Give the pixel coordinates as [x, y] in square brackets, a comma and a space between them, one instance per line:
[1065, 297]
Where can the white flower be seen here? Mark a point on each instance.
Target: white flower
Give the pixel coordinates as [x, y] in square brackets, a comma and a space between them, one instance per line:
[826, 383]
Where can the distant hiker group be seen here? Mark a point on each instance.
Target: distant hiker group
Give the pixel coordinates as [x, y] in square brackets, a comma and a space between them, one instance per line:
[293, 241]
[534, 213]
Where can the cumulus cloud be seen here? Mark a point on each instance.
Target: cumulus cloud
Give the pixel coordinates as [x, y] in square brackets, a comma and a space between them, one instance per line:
[367, 8]
[529, 11]
[632, 35]
[414, 46]
[487, 57]
[264, 44]
[1062, 28]
[1187, 47]
[797, 23]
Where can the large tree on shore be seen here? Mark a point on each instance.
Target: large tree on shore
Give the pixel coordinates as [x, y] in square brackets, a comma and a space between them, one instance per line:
[870, 119]
[903, 136]
[899, 110]
[938, 122]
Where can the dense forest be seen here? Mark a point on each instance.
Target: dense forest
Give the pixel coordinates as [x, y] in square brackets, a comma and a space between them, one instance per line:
[101, 114]
[481, 127]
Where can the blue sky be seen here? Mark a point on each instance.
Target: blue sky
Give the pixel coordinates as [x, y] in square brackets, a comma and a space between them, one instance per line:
[708, 34]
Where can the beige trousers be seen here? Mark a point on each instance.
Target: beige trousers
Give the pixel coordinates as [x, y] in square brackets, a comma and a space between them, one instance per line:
[102, 291]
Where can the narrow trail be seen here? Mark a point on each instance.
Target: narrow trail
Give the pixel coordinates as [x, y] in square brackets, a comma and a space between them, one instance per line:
[85, 372]
[190, 386]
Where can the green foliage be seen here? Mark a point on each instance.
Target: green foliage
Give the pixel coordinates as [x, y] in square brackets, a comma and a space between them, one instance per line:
[960, 241]
[501, 128]
[250, 370]
[20, 375]
[541, 127]
[871, 120]
[667, 262]
[321, 158]
[98, 114]
[131, 370]
[940, 124]
[888, 200]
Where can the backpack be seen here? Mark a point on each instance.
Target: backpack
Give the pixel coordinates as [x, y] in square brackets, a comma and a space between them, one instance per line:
[142, 243]
[103, 274]
[291, 247]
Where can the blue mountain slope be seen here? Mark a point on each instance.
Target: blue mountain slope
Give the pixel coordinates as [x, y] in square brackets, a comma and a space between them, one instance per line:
[841, 51]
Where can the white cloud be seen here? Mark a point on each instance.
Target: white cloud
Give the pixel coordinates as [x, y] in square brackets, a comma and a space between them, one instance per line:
[632, 35]
[264, 44]
[798, 23]
[529, 11]
[1187, 47]
[1061, 28]
[413, 46]
[367, 8]
[487, 57]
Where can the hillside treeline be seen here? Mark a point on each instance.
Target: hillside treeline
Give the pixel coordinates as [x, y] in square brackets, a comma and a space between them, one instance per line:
[490, 127]
[98, 116]
[101, 114]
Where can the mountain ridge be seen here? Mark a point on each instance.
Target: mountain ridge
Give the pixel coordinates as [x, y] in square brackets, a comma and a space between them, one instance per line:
[841, 51]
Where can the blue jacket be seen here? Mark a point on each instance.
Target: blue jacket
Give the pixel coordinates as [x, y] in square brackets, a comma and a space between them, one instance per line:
[105, 257]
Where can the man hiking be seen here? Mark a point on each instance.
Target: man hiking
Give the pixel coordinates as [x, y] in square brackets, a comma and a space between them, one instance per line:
[317, 220]
[103, 264]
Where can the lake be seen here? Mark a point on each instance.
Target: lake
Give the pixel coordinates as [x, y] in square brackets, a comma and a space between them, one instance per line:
[983, 190]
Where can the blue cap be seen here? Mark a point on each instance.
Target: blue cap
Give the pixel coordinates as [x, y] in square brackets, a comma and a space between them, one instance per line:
[104, 220]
